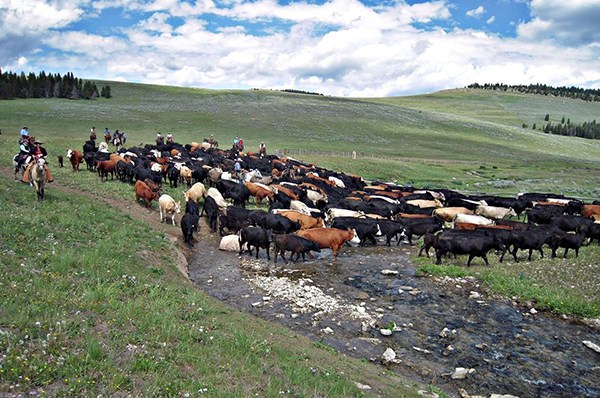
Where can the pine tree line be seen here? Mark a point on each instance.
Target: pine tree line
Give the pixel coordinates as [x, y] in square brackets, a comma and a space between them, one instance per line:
[586, 94]
[13, 85]
[589, 130]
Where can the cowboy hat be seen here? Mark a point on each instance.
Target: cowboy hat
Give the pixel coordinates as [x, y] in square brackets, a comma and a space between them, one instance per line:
[37, 142]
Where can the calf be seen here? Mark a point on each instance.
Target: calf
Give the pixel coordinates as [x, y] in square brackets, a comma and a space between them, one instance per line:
[256, 237]
[144, 192]
[429, 241]
[189, 224]
[173, 175]
[168, 208]
[296, 244]
[331, 238]
[61, 161]
[76, 158]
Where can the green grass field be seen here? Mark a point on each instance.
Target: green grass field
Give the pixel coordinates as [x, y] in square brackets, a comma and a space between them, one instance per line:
[102, 332]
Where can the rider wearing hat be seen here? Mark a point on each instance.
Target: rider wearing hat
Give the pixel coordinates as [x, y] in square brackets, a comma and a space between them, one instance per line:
[159, 139]
[169, 138]
[37, 152]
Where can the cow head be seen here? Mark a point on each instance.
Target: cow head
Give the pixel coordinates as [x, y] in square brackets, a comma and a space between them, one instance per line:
[512, 213]
[178, 207]
[186, 195]
[69, 153]
[354, 236]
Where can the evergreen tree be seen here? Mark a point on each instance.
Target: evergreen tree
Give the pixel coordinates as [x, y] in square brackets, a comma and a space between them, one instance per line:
[547, 117]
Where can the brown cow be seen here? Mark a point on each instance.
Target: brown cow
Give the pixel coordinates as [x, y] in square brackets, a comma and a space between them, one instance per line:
[465, 225]
[174, 152]
[259, 192]
[590, 210]
[306, 222]
[76, 158]
[104, 167]
[152, 185]
[400, 216]
[115, 158]
[286, 191]
[329, 238]
[144, 192]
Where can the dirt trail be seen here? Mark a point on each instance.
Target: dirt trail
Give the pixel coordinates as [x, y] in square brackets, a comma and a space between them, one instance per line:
[130, 208]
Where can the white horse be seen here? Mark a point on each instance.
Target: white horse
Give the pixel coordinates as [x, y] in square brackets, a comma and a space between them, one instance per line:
[38, 178]
[23, 165]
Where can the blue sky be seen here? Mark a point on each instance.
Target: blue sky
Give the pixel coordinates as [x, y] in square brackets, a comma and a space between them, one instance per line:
[337, 47]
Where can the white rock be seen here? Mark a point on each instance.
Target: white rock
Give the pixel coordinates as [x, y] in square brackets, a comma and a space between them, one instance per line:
[461, 373]
[389, 272]
[423, 350]
[389, 355]
[327, 330]
[385, 332]
[362, 386]
[400, 291]
[474, 295]
[444, 333]
[592, 346]
[502, 396]
[428, 394]
[256, 304]
[533, 311]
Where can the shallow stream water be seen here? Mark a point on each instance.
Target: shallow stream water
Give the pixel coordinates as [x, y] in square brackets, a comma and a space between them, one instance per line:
[345, 304]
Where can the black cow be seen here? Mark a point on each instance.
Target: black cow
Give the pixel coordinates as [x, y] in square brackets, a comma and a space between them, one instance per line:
[240, 195]
[189, 224]
[533, 239]
[517, 225]
[173, 174]
[255, 217]
[365, 228]
[212, 212]
[90, 160]
[191, 207]
[224, 186]
[568, 241]
[238, 212]
[280, 197]
[296, 244]
[473, 243]
[232, 224]
[540, 216]
[141, 174]
[257, 237]
[591, 232]
[279, 224]
[429, 241]
[569, 223]
[420, 229]
[390, 229]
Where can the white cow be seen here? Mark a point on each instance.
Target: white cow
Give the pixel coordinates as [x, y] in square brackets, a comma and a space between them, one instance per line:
[302, 207]
[494, 212]
[339, 183]
[168, 208]
[332, 213]
[472, 219]
[315, 196]
[424, 203]
[216, 195]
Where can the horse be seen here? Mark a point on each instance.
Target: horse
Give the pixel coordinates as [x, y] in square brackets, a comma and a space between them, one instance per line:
[38, 178]
[23, 165]
[116, 141]
[107, 138]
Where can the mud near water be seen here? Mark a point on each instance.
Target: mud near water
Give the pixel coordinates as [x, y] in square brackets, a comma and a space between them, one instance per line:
[437, 325]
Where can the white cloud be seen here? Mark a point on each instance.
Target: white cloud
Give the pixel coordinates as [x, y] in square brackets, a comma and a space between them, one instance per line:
[341, 47]
[476, 12]
[573, 22]
[491, 20]
[22, 61]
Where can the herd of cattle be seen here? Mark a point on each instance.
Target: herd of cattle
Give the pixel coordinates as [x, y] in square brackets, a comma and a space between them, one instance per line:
[312, 208]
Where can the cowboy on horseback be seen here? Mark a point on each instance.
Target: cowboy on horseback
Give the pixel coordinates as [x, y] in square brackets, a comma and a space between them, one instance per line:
[24, 147]
[36, 152]
[93, 134]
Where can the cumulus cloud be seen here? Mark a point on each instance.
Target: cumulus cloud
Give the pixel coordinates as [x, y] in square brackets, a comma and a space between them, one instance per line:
[23, 22]
[573, 22]
[339, 47]
[476, 12]
[491, 20]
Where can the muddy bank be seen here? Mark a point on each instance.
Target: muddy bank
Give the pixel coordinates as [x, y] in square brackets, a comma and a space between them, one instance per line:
[433, 326]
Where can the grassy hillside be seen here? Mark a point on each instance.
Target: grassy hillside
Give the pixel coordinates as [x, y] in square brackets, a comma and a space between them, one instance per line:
[480, 126]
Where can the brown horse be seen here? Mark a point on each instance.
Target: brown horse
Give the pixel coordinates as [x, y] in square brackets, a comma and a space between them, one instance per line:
[38, 178]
